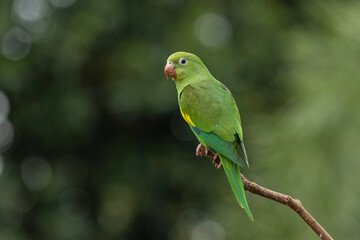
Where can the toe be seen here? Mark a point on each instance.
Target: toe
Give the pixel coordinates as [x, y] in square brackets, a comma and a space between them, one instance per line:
[200, 150]
[219, 165]
[206, 151]
[216, 158]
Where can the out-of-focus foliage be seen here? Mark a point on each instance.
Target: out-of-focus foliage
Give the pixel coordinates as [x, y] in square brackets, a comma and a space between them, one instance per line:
[93, 145]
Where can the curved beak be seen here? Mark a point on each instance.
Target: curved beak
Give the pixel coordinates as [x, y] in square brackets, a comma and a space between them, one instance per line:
[170, 70]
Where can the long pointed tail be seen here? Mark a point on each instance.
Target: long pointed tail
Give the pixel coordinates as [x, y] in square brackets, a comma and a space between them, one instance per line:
[233, 174]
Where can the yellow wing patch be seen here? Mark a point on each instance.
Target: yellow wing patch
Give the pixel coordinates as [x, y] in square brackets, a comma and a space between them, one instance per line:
[187, 118]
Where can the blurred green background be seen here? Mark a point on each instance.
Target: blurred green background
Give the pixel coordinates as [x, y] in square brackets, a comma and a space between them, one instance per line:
[93, 145]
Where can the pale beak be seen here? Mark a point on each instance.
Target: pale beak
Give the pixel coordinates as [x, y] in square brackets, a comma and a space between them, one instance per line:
[170, 70]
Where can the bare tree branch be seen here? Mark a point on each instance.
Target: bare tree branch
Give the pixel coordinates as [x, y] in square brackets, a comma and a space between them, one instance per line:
[287, 200]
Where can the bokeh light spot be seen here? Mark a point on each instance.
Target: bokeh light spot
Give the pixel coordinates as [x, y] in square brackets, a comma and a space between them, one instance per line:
[189, 218]
[16, 44]
[30, 10]
[1, 165]
[208, 230]
[75, 203]
[117, 210]
[212, 30]
[6, 135]
[4, 107]
[36, 173]
[39, 29]
[62, 3]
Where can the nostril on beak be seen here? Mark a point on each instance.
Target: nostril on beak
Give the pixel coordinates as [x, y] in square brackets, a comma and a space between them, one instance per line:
[169, 70]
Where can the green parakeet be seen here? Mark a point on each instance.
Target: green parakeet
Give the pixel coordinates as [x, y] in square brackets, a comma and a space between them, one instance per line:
[211, 112]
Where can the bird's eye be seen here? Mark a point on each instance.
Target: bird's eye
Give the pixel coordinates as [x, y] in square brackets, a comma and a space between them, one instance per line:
[182, 61]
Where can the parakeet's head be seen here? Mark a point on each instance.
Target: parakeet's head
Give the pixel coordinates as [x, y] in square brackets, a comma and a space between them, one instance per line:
[181, 65]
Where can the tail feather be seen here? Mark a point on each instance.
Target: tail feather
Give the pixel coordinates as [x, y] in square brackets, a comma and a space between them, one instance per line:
[242, 146]
[233, 174]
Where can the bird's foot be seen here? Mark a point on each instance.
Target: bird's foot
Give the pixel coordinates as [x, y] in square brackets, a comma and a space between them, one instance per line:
[202, 151]
[216, 161]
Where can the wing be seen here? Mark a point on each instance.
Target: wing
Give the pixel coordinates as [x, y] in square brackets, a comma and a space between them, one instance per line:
[210, 107]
